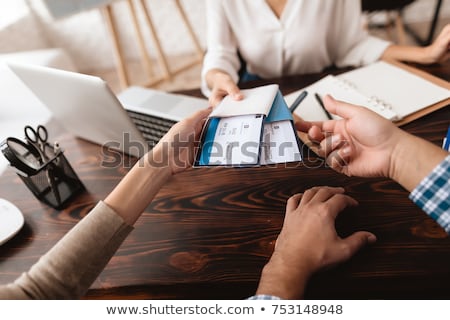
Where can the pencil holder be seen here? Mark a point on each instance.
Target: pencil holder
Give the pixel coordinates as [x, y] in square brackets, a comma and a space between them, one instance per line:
[55, 183]
[43, 168]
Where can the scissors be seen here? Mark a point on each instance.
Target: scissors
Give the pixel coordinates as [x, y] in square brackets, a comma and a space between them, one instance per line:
[38, 139]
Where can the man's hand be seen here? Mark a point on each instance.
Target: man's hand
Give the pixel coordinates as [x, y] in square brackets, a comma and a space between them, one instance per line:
[308, 242]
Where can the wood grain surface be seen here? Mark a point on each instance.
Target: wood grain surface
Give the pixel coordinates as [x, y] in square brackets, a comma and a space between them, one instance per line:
[209, 231]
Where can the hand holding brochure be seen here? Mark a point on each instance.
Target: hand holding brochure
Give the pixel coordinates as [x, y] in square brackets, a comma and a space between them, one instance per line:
[257, 130]
[256, 101]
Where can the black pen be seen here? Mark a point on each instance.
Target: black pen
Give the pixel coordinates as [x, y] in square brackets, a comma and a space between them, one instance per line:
[319, 100]
[297, 101]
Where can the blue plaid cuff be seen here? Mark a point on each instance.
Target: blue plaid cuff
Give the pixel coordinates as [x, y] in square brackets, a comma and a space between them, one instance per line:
[433, 194]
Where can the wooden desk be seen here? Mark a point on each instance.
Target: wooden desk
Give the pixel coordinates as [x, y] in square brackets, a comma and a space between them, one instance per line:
[209, 232]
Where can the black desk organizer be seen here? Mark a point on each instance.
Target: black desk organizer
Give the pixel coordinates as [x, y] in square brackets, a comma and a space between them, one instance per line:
[63, 185]
[66, 182]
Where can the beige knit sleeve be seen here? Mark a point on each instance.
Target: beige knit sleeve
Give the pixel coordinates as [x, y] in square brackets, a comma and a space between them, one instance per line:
[69, 268]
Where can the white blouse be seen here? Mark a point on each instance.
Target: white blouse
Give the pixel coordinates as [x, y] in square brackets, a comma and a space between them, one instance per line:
[309, 36]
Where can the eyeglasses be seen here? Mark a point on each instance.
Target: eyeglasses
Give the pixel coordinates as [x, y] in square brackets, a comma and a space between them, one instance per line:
[31, 157]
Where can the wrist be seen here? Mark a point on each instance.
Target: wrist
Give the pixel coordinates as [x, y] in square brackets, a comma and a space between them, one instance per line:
[137, 189]
[212, 76]
[280, 280]
[161, 160]
[221, 76]
[399, 154]
[413, 159]
[425, 55]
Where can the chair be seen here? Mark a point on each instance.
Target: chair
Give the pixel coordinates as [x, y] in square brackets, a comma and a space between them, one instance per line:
[134, 7]
[390, 7]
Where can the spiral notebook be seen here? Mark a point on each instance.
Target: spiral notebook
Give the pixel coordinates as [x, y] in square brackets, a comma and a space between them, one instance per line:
[394, 90]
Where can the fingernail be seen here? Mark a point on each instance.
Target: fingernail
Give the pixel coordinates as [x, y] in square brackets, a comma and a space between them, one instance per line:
[371, 238]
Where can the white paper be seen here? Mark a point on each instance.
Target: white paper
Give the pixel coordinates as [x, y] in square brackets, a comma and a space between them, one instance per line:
[256, 101]
[311, 110]
[404, 91]
[237, 141]
[390, 91]
[279, 143]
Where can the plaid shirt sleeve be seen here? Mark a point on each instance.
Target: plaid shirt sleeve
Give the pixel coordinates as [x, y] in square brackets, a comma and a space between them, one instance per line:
[433, 194]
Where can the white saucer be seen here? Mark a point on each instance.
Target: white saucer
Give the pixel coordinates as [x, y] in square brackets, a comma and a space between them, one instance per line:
[11, 220]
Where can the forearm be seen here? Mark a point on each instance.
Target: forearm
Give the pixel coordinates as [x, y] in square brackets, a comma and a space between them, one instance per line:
[407, 54]
[138, 188]
[70, 267]
[413, 159]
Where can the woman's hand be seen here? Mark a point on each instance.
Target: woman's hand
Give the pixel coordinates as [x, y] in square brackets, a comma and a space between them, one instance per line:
[439, 50]
[177, 148]
[221, 85]
[173, 153]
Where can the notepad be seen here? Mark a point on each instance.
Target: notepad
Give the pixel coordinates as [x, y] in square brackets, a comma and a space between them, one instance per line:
[255, 131]
[395, 92]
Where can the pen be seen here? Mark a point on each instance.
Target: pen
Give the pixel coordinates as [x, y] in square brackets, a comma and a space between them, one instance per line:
[447, 140]
[319, 100]
[297, 101]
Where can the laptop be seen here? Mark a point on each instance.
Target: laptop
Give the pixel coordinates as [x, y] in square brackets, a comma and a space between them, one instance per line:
[132, 122]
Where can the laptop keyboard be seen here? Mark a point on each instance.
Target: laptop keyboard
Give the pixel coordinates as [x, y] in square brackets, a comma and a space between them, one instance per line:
[152, 128]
